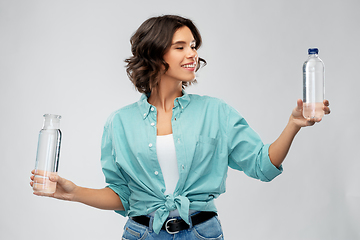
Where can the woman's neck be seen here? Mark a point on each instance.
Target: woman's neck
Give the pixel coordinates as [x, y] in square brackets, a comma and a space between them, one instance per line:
[163, 96]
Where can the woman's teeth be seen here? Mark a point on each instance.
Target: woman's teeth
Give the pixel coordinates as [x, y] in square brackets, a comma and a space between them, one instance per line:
[189, 65]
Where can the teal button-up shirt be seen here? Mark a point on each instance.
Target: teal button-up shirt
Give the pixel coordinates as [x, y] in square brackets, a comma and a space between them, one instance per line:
[209, 137]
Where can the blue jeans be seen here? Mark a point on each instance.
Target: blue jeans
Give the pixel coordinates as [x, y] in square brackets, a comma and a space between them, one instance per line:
[210, 229]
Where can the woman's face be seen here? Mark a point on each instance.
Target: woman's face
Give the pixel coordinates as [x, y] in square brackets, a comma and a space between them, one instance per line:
[182, 57]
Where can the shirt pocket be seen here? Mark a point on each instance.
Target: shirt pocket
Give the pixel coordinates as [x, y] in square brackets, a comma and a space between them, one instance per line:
[207, 140]
[205, 148]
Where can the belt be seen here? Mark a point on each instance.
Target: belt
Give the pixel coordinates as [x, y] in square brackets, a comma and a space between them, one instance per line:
[174, 225]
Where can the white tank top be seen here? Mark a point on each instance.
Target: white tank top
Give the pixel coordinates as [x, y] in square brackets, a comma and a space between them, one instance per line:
[166, 154]
[165, 149]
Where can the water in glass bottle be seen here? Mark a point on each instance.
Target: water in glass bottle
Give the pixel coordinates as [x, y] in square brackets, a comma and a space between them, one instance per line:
[48, 151]
[313, 85]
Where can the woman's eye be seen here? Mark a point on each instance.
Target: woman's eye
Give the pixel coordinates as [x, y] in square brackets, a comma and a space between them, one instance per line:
[181, 48]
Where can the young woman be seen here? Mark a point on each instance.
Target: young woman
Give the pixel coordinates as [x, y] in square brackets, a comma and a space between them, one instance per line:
[166, 156]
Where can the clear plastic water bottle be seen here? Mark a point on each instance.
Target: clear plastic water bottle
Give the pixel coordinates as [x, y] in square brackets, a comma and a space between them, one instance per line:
[313, 85]
[48, 152]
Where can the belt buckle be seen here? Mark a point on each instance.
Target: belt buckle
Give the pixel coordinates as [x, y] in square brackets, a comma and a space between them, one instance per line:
[166, 226]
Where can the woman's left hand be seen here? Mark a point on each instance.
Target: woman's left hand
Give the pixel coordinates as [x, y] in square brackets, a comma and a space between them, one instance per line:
[298, 118]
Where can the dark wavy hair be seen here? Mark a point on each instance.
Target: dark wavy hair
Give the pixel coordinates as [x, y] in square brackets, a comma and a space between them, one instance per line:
[149, 44]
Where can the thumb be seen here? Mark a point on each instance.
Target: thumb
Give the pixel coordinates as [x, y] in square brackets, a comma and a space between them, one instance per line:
[300, 105]
[57, 178]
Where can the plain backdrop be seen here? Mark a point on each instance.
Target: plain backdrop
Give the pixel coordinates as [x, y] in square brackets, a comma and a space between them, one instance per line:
[67, 57]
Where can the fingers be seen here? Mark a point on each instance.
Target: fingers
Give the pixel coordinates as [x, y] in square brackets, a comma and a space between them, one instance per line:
[44, 182]
[312, 121]
[32, 178]
[43, 174]
[326, 110]
[43, 194]
[301, 121]
[326, 107]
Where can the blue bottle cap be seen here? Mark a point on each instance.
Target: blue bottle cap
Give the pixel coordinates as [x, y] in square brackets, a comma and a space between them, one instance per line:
[313, 51]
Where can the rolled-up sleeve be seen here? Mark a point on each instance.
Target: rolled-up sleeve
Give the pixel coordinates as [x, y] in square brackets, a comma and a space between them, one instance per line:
[246, 150]
[114, 176]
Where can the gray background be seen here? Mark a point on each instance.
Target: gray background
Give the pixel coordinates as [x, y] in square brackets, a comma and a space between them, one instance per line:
[66, 57]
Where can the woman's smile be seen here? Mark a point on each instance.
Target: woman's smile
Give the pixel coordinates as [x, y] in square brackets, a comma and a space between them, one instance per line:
[190, 66]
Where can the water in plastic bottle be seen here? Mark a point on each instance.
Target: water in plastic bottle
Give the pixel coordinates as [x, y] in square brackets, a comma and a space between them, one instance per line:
[313, 85]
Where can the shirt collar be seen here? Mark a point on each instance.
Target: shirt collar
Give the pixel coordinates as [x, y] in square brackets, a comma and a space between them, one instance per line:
[183, 101]
[146, 108]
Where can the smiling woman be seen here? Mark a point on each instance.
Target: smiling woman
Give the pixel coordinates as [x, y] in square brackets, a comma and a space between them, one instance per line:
[165, 158]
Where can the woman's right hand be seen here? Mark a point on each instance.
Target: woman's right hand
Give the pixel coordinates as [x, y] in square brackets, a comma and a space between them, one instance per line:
[65, 189]
[104, 198]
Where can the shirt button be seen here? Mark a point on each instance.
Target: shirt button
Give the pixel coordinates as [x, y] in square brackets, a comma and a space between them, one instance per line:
[152, 124]
[178, 140]
[152, 108]
[183, 167]
[150, 144]
[156, 172]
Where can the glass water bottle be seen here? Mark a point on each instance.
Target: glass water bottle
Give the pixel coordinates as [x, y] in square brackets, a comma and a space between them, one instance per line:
[48, 151]
[313, 85]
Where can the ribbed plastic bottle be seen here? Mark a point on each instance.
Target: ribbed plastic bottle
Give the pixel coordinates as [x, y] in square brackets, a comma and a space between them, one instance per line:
[313, 85]
[48, 152]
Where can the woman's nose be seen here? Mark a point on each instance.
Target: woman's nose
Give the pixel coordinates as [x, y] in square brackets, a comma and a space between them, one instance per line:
[192, 53]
